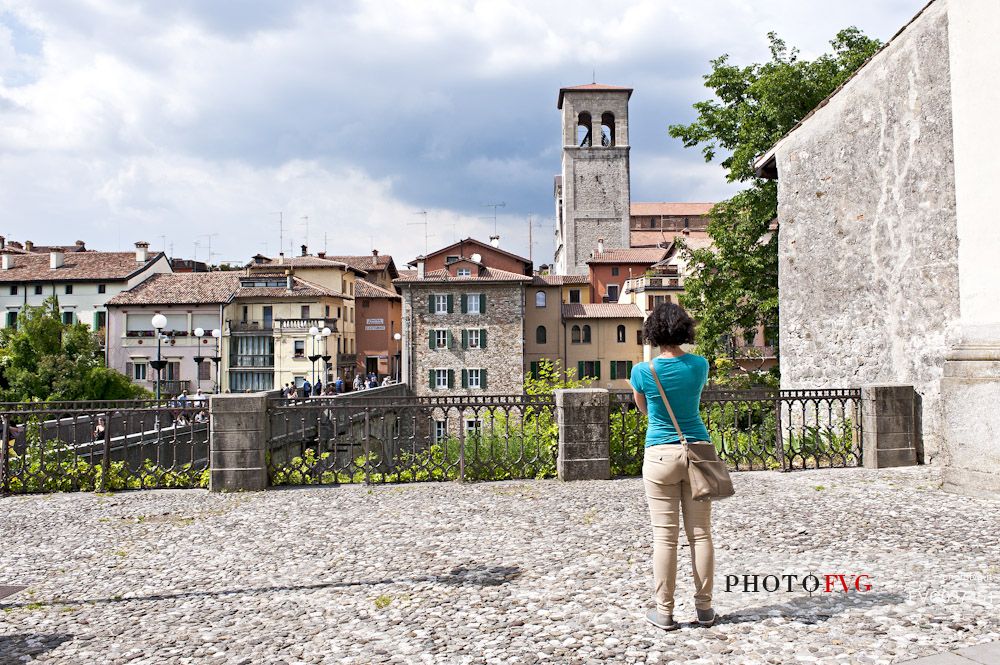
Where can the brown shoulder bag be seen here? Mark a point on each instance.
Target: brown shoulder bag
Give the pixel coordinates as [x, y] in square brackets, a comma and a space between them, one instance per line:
[708, 474]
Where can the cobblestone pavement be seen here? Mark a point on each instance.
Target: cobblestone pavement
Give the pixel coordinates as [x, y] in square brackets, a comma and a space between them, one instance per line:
[514, 572]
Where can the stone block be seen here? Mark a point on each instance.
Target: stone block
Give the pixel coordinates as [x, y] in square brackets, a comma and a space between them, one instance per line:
[239, 421]
[245, 440]
[891, 426]
[583, 433]
[236, 480]
[587, 469]
[226, 459]
[895, 457]
[577, 451]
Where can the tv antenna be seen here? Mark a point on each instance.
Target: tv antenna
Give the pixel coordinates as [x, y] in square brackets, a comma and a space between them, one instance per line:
[306, 219]
[531, 244]
[210, 252]
[495, 206]
[424, 224]
[281, 229]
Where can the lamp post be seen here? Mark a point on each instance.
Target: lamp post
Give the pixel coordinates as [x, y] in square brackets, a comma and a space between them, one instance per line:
[217, 334]
[159, 323]
[314, 332]
[324, 334]
[198, 358]
[397, 337]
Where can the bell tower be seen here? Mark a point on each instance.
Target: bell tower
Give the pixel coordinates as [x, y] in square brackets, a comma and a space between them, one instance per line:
[592, 193]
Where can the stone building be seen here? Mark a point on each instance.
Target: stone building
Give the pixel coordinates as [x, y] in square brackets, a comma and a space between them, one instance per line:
[463, 329]
[887, 238]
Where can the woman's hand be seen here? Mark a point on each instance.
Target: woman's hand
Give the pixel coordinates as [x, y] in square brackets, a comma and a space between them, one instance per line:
[640, 401]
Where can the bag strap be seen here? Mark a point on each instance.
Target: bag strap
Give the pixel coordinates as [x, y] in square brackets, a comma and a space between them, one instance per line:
[666, 403]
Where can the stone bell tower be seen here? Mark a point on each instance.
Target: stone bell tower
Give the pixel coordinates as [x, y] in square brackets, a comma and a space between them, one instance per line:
[592, 193]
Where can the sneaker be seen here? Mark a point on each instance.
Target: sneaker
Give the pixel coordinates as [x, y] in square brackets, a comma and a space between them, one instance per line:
[707, 617]
[660, 620]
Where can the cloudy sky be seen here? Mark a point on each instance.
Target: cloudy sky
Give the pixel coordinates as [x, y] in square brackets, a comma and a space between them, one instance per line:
[171, 121]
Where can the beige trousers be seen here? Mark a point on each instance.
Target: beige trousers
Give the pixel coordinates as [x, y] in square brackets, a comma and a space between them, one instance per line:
[668, 492]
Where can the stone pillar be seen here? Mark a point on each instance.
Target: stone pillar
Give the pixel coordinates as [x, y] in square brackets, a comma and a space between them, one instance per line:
[584, 423]
[970, 393]
[239, 428]
[890, 416]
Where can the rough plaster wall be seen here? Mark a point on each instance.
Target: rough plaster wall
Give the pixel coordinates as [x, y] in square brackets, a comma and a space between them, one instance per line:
[868, 245]
[502, 357]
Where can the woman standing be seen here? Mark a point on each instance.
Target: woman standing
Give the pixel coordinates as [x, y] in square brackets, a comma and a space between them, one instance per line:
[664, 469]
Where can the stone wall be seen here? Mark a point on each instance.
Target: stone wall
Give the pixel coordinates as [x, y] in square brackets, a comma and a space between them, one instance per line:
[868, 245]
[503, 321]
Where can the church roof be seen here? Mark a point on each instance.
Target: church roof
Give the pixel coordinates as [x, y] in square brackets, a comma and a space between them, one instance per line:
[592, 87]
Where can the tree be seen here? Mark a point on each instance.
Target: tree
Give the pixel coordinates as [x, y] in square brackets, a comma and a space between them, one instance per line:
[734, 285]
[46, 359]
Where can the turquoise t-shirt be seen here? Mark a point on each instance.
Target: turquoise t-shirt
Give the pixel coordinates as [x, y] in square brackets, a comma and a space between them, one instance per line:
[683, 378]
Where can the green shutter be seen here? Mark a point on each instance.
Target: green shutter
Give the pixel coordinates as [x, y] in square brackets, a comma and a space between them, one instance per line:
[482, 303]
[431, 338]
[465, 378]
[432, 380]
[450, 342]
[614, 370]
[628, 369]
[579, 370]
[451, 378]
[430, 303]
[465, 338]
[465, 303]
[482, 379]
[451, 303]
[534, 369]
[482, 338]
[597, 369]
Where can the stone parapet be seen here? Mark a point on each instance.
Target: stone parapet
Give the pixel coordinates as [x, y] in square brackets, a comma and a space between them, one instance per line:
[238, 442]
[891, 425]
[583, 417]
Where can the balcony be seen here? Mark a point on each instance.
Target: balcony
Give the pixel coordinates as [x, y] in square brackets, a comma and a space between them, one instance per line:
[251, 361]
[249, 326]
[347, 359]
[665, 282]
[303, 325]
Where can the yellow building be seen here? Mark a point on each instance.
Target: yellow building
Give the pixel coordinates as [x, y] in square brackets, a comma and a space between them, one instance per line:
[602, 341]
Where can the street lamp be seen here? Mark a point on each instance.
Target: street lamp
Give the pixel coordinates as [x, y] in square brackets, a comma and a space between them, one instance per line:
[159, 323]
[217, 334]
[198, 358]
[314, 333]
[397, 337]
[326, 332]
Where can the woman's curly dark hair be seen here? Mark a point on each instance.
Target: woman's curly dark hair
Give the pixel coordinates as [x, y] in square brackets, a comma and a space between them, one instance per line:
[668, 325]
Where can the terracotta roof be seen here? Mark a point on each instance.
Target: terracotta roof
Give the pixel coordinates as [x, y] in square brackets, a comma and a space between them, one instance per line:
[649, 238]
[304, 262]
[186, 288]
[606, 310]
[670, 209]
[632, 255]
[559, 280]
[365, 289]
[591, 87]
[473, 241]
[487, 275]
[300, 289]
[408, 274]
[370, 263]
[76, 267]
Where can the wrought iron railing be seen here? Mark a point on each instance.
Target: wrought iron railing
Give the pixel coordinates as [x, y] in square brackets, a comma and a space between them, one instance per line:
[757, 429]
[103, 445]
[402, 439]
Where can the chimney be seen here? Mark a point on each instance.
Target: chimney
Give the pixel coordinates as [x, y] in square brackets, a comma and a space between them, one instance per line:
[28, 245]
[375, 253]
[495, 241]
[281, 258]
[321, 255]
[81, 246]
[600, 245]
[55, 259]
[420, 267]
[141, 251]
[288, 281]
[3, 242]
[304, 252]
[6, 261]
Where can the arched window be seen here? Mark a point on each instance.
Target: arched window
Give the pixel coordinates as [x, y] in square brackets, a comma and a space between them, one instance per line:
[586, 334]
[621, 334]
[608, 129]
[539, 298]
[575, 334]
[583, 130]
[541, 336]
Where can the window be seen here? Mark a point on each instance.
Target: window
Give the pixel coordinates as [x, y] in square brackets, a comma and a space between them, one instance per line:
[620, 369]
[607, 129]
[621, 334]
[464, 272]
[172, 372]
[541, 337]
[591, 368]
[534, 369]
[102, 288]
[139, 371]
[67, 318]
[100, 320]
[365, 302]
[613, 292]
[583, 130]
[473, 303]
[38, 289]
[326, 311]
[440, 339]
[451, 259]
[12, 318]
[574, 296]
[440, 430]
[441, 379]
[539, 298]
[440, 304]
[638, 337]
[268, 316]
[575, 334]
[204, 371]
[586, 334]
[614, 271]
[304, 312]
[300, 348]
[473, 427]
[472, 338]
[69, 289]
[245, 314]
[472, 379]
[13, 289]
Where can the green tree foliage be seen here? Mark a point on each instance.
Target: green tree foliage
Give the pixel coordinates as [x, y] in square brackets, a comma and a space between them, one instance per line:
[45, 359]
[735, 285]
